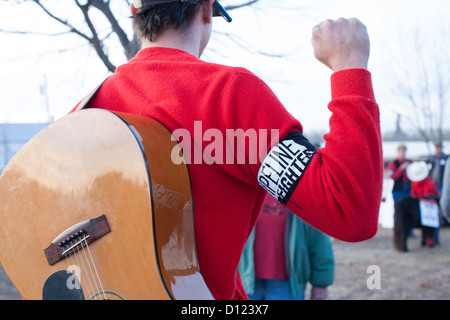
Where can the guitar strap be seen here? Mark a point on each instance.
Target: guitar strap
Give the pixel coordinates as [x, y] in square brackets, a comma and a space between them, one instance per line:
[89, 97]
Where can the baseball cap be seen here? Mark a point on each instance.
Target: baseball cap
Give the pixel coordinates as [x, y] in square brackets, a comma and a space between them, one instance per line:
[218, 10]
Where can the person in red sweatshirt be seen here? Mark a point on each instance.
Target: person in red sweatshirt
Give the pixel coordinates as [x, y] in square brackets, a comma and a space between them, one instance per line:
[422, 184]
[258, 146]
[397, 172]
[424, 188]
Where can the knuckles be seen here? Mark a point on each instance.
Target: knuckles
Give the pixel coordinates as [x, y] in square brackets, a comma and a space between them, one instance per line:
[338, 23]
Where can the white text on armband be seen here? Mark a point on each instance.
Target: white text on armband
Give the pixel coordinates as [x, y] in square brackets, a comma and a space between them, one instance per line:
[282, 168]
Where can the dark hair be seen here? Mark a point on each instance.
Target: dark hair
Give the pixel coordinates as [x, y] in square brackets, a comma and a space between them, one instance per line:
[151, 20]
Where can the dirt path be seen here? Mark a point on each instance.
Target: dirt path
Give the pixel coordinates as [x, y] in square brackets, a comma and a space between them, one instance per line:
[422, 273]
[7, 290]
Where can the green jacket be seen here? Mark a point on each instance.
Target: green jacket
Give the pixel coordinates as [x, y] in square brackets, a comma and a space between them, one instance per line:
[309, 254]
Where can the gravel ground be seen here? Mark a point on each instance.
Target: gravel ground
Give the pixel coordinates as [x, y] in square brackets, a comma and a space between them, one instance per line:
[422, 273]
[7, 289]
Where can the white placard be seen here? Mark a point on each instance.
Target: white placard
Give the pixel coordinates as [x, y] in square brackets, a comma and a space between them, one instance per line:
[429, 213]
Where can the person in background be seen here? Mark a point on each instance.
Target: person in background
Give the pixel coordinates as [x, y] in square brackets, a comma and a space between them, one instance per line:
[445, 195]
[283, 255]
[438, 162]
[424, 187]
[397, 172]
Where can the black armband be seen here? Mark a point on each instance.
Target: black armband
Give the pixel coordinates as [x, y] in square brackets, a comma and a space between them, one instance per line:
[284, 165]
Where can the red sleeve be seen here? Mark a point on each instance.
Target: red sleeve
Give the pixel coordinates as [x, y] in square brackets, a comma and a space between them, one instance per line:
[391, 166]
[397, 173]
[248, 105]
[340, 192]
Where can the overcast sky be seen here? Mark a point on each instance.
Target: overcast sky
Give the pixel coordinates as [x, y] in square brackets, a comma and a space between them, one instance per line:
[302, 84]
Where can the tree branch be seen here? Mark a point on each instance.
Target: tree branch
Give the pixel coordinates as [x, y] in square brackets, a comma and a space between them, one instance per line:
[130, 47]
[64, 22]
[34, 33]
[95, 40]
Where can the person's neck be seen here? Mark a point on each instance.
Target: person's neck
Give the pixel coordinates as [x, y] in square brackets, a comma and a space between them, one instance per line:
[173, 39]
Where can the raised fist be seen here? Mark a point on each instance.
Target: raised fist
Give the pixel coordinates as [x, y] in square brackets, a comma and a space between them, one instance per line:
[341, 44]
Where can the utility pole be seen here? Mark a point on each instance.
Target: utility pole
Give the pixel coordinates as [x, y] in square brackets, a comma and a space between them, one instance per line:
[45, 94]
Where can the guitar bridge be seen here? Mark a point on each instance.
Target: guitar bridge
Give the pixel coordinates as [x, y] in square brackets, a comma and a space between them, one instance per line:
[75, 237]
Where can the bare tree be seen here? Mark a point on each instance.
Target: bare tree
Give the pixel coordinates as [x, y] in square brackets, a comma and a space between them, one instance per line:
[92, 31]
[422, 82]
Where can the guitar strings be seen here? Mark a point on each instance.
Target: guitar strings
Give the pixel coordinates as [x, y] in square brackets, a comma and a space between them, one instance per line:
[68, 253]
[88, 275]
[100, 286]
[81, 268]
[84, 274]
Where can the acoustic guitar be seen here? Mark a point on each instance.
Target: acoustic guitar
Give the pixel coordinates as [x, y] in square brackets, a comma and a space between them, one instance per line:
[93, 207]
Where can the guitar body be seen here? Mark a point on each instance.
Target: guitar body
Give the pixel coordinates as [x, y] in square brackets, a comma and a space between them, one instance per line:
[94, 208]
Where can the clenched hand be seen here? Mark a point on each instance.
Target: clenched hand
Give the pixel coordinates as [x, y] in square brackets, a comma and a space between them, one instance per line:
[341, 44]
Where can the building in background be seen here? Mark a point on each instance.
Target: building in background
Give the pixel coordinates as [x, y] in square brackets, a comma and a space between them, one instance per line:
[14, 136]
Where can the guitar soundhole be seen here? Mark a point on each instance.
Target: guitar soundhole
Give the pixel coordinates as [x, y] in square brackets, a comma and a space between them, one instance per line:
[62, 285]
[106, 294]
[65, 285]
